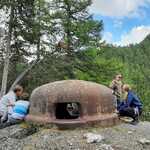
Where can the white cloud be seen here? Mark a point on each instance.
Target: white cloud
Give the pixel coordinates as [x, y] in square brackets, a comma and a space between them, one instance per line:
[136, 35]
[118, 23]
[108, 37]
[119, 8]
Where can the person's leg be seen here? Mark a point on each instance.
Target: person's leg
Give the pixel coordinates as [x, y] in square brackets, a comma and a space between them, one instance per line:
[115, 101]
[4, 125]
[1, 114]
[13, 121]
[138, 113]
[118, 101]
[4, 117]
[10, 122]
[130, 112]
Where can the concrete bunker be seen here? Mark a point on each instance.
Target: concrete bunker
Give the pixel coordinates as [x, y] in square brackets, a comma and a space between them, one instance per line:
[71, 103]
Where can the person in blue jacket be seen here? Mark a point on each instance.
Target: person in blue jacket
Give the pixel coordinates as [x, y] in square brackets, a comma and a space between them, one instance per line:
[19, 112]
[132, 106]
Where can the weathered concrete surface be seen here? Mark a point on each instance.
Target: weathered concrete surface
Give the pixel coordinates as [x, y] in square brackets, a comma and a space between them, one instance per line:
[96, 103]
[121, 137]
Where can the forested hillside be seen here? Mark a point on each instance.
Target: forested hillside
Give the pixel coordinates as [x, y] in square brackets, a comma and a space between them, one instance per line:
[136, 71]
[43, 41]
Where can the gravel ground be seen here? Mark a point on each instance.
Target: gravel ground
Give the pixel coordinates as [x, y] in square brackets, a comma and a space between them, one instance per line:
[121, 137]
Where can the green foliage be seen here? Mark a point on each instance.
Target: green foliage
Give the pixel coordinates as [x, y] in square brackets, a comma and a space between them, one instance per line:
[95, 68]
[82, 57]
[136, 71]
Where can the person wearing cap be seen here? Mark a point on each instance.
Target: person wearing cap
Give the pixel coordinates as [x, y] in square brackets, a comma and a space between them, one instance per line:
[7, 102]
[132, 106]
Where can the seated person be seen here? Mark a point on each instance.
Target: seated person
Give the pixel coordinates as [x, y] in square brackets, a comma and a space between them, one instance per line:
[20, 110]
[131, 107]
[8, 101]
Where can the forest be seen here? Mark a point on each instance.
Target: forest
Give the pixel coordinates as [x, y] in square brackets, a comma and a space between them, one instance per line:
[43, 41]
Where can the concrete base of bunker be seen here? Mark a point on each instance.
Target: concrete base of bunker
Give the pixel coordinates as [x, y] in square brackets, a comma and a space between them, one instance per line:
[73, 103]
[105, 121]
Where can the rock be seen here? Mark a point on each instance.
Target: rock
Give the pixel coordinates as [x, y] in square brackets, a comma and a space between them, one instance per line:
[130, 132]
[46, 137]
[69, 143]
[106, 147]
[144, 141]
[126, 119]
[93, 138]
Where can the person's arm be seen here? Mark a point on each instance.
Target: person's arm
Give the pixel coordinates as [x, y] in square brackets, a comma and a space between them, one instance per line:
[114, 88]
[112, 84]
[129, 98]
[122, 105]
[11, 100]
[137, 102]
[10, 104]
[28, 108]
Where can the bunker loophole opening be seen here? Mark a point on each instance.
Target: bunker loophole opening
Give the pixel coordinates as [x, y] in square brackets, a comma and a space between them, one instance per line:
[69, 110]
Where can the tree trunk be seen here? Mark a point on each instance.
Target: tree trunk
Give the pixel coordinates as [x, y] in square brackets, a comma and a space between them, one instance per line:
[39, 31]
[21, 76]
[38, 47]
[68, 31]
[7, 57]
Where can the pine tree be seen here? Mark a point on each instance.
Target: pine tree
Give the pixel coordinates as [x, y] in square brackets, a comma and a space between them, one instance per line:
[78, 29]
[17, 24]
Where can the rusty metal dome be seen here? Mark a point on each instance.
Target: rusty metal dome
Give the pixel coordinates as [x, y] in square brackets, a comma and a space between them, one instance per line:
[73, 102]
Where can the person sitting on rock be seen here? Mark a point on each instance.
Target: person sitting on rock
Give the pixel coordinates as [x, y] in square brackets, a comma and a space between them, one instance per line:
[20, 111]
[132, 106]
[7, 102]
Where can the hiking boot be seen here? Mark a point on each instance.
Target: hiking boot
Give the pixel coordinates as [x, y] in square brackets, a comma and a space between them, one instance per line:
[135, 121]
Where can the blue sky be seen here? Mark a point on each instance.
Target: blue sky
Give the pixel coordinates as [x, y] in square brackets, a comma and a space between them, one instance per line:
[125, 21]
